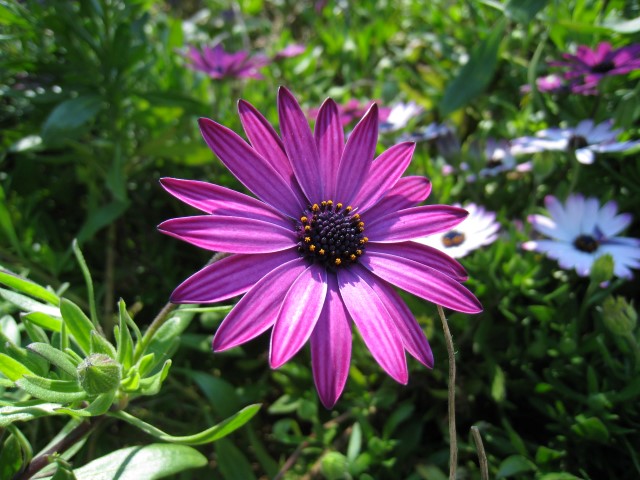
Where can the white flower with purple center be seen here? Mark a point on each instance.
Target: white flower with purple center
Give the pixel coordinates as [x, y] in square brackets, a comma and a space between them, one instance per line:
[585, 140]
[480, 228]
[582, 231]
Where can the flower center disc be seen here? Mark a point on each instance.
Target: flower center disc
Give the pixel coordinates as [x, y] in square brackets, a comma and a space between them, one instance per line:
[577, 141]
[603, 67]
[586, 243]
[331, 234]
[453, 239]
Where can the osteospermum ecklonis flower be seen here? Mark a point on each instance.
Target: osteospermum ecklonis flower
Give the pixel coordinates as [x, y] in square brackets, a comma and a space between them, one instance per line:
[480, 228]
[585, 139]
[219, 64]
[582, 231]
[322, 244]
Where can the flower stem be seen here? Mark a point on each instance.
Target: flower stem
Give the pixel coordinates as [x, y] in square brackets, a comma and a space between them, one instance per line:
[453, 442]
[482, 456]
[163, 316]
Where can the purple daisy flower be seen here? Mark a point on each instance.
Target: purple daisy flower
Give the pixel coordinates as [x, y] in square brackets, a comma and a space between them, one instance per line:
[352, 110]
[321, 247]
[582, 231]
[219, 64]
[591, 66]
[586, 139]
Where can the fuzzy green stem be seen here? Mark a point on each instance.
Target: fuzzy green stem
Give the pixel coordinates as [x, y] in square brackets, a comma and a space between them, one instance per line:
[453, 442]
[482, 456]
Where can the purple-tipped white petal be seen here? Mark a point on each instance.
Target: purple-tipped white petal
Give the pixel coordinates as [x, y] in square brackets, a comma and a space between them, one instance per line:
[258, 309]
[413, 223]
[413, 337]
[298, 315]
[229, 234]
[357, 157]
[250, 168]
[422, 281]
[408, 192]
[229, 277]
[385, 171]
[374, 323]
[424, 254]
[268, 144]
[331, 346]
[219, 200]
[300, 146]
[329, 137]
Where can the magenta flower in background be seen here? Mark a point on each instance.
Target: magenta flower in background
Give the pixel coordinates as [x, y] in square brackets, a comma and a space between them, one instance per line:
[588, 67]
[581, 231]
[480, 228]
[551, 83]
[320, 248]
[218, 64]
[585, 140]
[351, 111]
[291, 50]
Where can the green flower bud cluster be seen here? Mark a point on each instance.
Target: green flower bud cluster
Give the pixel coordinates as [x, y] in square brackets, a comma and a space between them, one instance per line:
[99, 373]
[619, 315]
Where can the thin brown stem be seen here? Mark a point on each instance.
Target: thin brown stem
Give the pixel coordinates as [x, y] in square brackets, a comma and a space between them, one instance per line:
[482, 456]
[453, 441]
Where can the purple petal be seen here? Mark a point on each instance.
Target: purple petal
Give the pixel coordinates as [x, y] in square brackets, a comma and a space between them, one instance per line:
[384, 173]
[267, 143]
[299, 314]
[229, 234]
[329, 138]
[423, 254]
[300, 146]
[229, 277]
[377, 328]
[258, 309]
[413, 223]
[357, 157]
[250, 168]
[408, 192]
[422, 281]
[219, 200]
[413, 337]
[331, 346]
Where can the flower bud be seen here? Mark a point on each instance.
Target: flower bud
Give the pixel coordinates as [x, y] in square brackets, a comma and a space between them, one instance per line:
[619, 316]
[99, 373]
[602, 269]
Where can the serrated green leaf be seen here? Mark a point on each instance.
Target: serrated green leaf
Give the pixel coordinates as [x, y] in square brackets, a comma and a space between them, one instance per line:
[43, 320]
[28, 287]
[476, 74]
[77, 323]
[212, 434]
[28, 304]
[54, 356]
[58, 391]
[150, 462]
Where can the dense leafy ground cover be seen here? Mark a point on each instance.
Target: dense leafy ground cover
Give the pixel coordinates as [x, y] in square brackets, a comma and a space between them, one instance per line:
[100, 99]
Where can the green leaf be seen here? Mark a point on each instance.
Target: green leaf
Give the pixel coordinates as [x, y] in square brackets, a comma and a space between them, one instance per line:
[6, 223]
[87, 280]
[54, 356]
[100, 218]
[99, 406]
[513, 465]
[77, 323]
[28, 304]
[58, 391]
[123, 338]
[43, 320]
[10, 457]
[355, 442]
[35, 333]
[28, 287]
[27, 411]
[233, 464]
[12, 369]
[591, 428]
[68, 118]
[99, 344]
[149, 462]
[476, 74]
[151, 385]
[524, 11]
[212, 434]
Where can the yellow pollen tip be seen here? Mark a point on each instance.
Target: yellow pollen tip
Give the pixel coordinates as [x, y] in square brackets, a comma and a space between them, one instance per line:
[329, 202]
[349, 208]
[312, 248]
[360, 224]
[321, 251]
[356, 216]
[323, 203]
[338, 205]
[358, 252]
[338, 261]
[315, 207]
[352, 257]
[307, 239]
[304, 219]
[307, 228]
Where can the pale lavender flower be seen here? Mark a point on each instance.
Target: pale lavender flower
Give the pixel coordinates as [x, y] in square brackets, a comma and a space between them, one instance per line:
[500, 159]
[480, 228]
[588, 67]
[399, 116]
[321, 246]
[582, 231]
[585, 140]
[218, 64]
